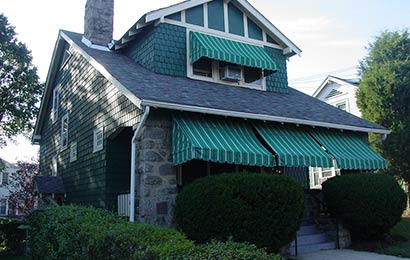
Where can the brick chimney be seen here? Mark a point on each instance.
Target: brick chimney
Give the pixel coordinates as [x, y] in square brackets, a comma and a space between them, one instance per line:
[98, 21]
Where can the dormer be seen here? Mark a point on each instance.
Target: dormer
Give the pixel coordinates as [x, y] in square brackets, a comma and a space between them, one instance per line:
[226, 42]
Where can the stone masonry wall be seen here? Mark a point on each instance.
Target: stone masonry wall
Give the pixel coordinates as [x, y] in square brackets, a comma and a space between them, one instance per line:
[156, 176]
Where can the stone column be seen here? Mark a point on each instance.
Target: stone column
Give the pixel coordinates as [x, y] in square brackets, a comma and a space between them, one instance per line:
[157, 187]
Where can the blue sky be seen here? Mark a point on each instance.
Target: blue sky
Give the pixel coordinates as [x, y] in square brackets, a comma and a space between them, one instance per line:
[331, 33]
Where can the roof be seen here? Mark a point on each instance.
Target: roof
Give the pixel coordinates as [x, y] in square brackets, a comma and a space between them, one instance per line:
[49, 184]
[145, 87]
[351, 82]
[153, 16]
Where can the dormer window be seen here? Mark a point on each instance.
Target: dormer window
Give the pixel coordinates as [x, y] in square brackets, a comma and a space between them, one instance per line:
[228, 62]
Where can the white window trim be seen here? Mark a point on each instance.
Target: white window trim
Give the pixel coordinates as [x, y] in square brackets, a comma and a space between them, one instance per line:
[64, 147]
[321, 178]
[73, 152]
[215, 73]
[55, 105]
[1, 178]
[69, 54]
[96, 147]
[7, 206]
[339, 102]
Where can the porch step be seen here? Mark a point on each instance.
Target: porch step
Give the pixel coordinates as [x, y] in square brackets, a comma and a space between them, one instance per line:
[312, 247]
[310, 239]
[308, 230]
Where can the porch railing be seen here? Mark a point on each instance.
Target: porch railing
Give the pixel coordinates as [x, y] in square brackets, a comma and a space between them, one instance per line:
[123, 205]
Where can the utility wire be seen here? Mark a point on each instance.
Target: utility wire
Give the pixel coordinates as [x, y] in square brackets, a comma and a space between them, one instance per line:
[323, 74]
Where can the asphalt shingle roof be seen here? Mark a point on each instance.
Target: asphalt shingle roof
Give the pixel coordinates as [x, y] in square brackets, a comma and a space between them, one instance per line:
[147, 85]
[49, 184]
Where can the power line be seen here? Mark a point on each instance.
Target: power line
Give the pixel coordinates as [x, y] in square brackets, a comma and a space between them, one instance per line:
[321, 79]
[323, 74]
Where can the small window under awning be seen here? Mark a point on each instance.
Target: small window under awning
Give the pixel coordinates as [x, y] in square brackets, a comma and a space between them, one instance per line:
[350, 149]
[204, 45]
[217, 140]
[294, 146]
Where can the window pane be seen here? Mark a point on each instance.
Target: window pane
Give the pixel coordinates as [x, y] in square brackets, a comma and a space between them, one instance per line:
[252, 75]
[203, 67]
[5, 178]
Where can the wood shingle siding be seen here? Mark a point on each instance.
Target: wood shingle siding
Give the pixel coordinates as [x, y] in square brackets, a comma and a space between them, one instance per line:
[90, 101]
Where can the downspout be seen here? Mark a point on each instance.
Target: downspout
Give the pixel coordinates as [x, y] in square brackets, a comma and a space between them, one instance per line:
[137, 134]
[382, 139]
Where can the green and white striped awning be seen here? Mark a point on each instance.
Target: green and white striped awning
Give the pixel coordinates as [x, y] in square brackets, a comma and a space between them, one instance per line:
[294, 146]
[203, 45]
[350, 149]
[217, 140]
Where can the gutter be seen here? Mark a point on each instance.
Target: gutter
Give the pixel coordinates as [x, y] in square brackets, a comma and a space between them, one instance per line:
[137, 134]
[382, 139]
[214, 111]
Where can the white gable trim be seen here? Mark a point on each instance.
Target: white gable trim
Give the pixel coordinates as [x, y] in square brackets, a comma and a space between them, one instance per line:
[250, 10]
[327, 81]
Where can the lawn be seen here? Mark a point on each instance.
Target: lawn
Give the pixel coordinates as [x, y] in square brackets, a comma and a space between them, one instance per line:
[401, 235]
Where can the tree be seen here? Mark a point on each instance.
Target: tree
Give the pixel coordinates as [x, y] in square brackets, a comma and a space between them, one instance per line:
[20, 89]
[384, 97]
[21, 188]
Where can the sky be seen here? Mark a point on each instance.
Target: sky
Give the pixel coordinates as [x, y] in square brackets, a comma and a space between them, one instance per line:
[332, 35]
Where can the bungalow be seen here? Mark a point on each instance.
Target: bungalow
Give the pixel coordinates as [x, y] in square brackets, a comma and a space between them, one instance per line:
[193, 89]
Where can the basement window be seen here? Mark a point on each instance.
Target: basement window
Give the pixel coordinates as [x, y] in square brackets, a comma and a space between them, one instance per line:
[98, 139]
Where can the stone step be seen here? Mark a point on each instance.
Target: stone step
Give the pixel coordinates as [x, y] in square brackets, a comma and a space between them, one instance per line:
[312, 247]
[308, 230]
[310, 239]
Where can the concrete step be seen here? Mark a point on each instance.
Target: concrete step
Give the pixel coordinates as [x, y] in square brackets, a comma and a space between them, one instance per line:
[310, 239]
[312, 247]
[308, 230]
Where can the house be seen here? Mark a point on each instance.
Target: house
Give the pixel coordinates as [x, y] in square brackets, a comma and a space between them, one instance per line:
[6, 176]
[340, 93]
[192, 89]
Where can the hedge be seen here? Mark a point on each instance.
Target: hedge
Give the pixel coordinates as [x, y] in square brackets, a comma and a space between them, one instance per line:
[262, 209]
[12, 238]
[75, 232]
[369, 205]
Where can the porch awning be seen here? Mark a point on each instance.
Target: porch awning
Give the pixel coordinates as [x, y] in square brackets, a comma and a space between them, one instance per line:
[350, 150]
[294, 146]
[203, 45]
[217, 140]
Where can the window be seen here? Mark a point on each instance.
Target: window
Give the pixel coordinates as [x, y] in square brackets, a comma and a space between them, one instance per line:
[203, 67]
[73, 152]
[66, 56]
[54, 109]
[53, 166]
[342, 106]
[64, 132]
[252, 76]
[319, 175]
[4, 178]
[98, 139]
[3, 207]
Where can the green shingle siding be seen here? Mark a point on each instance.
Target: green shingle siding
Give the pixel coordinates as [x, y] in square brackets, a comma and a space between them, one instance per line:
[216, 18]
[161, 49]
[235, 17]
[195, 15]
[277, 82]
[90, 101]
[254, 31]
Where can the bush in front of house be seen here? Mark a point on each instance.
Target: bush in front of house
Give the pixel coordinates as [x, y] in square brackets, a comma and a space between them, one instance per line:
[228, 250]
[12, 238]
[262, 209]
[76, 232]
[369, 205]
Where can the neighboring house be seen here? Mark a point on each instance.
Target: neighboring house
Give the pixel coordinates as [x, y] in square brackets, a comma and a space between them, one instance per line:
[6, 176]
[193, 89]
[340, 93]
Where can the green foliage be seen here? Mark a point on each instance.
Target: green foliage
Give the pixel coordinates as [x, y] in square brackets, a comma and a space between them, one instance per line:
[75, 232]
[19, 87]
[262, 209]
[384, 96]
[11, 237]
[369, 205]
[228, 250]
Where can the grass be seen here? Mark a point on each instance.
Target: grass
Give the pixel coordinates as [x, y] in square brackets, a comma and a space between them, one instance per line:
[401, 234]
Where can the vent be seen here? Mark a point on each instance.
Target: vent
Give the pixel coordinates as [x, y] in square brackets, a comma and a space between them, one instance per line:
[334, 93]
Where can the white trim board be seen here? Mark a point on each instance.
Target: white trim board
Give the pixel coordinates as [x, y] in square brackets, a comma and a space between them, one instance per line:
[328, 79]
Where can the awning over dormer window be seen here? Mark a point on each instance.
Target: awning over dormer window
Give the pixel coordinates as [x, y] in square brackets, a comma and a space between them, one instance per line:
[204, 45]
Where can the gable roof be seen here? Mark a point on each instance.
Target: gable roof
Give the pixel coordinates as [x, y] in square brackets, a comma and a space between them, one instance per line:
[159, 14]
[146, 88]
[350, 82]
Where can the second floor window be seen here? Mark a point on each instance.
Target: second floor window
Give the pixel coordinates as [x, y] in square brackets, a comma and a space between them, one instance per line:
[98, 141]
[64, 132]
[73, 152]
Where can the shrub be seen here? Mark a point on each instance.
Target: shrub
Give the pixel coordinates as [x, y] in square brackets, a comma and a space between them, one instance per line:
[75, 232]
[11, 237]
[262, 209]
[228, 250]
[369, 205]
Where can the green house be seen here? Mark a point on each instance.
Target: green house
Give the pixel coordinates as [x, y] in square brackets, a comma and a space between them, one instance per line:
[193, 89]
